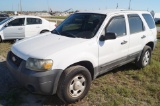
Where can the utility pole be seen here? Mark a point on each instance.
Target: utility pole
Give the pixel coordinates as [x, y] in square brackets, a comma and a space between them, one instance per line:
[20, 6]
[117, 6]
[12, 6]
[48, 5]
[129, 5]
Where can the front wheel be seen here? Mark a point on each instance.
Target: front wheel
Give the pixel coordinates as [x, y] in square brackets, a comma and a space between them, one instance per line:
[145, 57]
[44, 31]
[74, 84]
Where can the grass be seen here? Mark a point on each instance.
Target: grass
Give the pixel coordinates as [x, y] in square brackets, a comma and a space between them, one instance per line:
[128, 86]
[5, 47]
[124, 86]
[58, 22]
[158, 25]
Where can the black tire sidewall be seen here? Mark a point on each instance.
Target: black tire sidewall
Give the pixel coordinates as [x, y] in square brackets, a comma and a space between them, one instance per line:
[66, 82]
[147, 48]
[0, 39]
[44, 31]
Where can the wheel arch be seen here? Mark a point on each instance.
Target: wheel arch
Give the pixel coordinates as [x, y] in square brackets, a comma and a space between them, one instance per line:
[1, 38]
[150, 44]
[86, 64]
[44, 30]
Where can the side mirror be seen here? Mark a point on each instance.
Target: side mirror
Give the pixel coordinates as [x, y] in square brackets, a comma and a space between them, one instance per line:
[108, 36]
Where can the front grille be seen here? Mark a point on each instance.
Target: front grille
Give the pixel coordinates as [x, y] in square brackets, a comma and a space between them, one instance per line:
[15, 59]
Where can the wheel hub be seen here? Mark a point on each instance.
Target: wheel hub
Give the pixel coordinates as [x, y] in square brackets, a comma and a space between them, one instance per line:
[77, 85]
[146, 58]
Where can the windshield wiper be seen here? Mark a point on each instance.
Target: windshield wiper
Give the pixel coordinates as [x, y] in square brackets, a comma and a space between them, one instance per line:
[69, 34]
[56, 31]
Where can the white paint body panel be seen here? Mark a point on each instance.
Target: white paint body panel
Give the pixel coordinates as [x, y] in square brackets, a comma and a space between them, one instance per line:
[62, 50]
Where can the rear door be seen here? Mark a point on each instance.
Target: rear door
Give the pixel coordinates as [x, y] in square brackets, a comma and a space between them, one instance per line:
[14, 29]
[33, 26]
[137, 34]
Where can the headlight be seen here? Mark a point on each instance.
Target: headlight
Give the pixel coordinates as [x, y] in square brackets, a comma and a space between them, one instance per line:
[39, 64]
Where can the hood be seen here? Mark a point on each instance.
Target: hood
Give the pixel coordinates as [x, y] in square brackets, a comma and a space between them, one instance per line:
[42, 46]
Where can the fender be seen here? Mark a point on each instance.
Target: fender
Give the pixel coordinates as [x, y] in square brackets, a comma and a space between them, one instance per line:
[66, 62]
[1, 35]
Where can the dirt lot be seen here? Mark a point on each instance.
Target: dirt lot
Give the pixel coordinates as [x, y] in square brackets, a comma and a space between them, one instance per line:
[126, 85]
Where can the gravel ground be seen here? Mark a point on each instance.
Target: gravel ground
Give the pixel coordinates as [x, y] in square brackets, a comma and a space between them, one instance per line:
[11, 93]
[6, 81]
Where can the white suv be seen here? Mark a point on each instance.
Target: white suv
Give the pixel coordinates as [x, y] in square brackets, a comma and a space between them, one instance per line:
[84, 46]
[18, 27]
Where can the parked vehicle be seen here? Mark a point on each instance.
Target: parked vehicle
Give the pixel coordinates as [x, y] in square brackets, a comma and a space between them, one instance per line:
[3, 17]
[157, 20]
[84, 46]
[19, 27]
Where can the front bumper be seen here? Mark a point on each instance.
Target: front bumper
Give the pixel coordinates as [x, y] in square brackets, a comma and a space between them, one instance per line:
[37, 82]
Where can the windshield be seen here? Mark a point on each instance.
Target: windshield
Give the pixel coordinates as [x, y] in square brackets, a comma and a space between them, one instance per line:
[5, 20]
[82, 25]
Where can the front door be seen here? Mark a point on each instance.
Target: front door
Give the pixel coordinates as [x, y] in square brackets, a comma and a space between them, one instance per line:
[115, 51]
[15, 29]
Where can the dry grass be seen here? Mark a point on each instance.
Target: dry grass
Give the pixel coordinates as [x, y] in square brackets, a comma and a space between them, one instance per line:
[55, 17]
[5, 47]
[124, 86]
[58, 22]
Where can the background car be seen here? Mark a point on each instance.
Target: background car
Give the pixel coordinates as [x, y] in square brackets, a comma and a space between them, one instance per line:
[157, 20]
[3, 17]
[19, 27]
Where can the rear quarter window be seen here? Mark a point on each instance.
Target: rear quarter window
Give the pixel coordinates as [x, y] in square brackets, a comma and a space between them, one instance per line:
[150, 22]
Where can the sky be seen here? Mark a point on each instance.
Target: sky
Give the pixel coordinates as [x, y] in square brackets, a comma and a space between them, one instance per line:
[62, 5]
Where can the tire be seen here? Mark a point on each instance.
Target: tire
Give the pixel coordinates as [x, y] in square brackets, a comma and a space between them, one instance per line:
[145, 57]
[0, 39]
[74, 84]
[44, 31]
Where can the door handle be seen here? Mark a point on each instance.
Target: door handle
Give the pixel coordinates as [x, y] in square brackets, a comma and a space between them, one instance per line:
[124, 42]
[143, 37]
[20, 28]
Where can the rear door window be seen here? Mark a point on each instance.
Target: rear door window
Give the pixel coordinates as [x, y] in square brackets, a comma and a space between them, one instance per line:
[149, 20]
[135, 23]
[32, 21]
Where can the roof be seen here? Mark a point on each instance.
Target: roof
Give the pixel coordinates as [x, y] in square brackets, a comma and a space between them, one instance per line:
[20, 16]
[108, 11]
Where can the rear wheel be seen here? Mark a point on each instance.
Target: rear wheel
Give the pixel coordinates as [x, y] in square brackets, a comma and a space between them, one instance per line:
[145, 57]
[0, 39]
[44, 31]
[74, 84]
